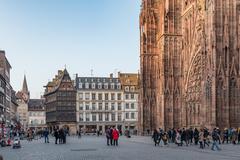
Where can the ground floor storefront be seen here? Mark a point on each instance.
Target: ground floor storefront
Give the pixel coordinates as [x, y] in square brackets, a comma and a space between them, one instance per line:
[94, 127]
[101, 127]
[70, 127]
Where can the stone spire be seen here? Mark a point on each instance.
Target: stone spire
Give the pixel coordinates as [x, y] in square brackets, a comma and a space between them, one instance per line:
[25, 87]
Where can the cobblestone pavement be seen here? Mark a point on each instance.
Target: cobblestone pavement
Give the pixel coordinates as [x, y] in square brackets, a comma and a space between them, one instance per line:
[95, 148]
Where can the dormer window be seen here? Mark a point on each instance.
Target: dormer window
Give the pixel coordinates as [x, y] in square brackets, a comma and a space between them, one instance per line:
[118, 86]
[93, 85]
[106, 86]
[112, 86]
[99, 86]
[80, 85]
[86, 85]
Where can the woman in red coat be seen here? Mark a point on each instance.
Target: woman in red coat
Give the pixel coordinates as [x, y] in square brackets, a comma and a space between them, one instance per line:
[115, 135]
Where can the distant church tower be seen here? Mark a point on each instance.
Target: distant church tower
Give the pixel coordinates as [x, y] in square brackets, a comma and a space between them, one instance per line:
[25, 91]
[23, 97]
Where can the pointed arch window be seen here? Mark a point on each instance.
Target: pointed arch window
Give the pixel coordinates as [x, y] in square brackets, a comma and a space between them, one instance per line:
[233, 87]
[144, 39]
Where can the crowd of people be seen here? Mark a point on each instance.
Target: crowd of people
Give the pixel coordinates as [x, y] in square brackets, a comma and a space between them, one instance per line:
[30, 134]
[202, 137]
[112, 135]
[60, 135]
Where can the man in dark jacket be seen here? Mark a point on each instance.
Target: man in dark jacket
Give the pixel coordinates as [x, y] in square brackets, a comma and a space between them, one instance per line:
[191, 133]
[196, 136]
[61, 136]
[108, 135]
[174, 134]
[156, 137]
[184, 137]
[205, 137]
[187, 136]
[225, 135]
[65, 133]
[45, 134]
[170, 134]
[56, 135]
[79, 133]
[111, 136]
[215, 137]
[238, 135]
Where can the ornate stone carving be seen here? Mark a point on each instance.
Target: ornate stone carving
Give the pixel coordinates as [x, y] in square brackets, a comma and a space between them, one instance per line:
[194, 69]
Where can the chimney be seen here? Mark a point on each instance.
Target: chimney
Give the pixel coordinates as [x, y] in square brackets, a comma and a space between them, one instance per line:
[111, 75]
[119, 74]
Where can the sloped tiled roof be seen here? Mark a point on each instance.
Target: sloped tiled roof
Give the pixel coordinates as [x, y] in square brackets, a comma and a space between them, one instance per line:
[55, 83]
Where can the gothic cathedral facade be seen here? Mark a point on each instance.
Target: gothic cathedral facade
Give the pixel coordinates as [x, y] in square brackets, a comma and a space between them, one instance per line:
[190, 64]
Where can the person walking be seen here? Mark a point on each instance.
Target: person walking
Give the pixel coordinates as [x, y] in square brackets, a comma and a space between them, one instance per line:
[174, 134]
[201, 138]
[28, 135]
[205, 137]
[215, 138]
[219, 133]
[56, 135]
[108, 136]
[170, 134]
[98, 132]
[234, 136]
[115, 135]
[165, 138]
[161, 132]
[184, 137]
[225, 135]
[155, 137]
[178, 138]
[111, 136]
[196, 136]
[65, 133]
[187, 136]
[191, 135]
[61, 136]
[238, 135]
[79, 133]
[45, 134]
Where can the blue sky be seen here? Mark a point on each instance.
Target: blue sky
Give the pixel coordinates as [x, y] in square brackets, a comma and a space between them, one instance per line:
[42, 36]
